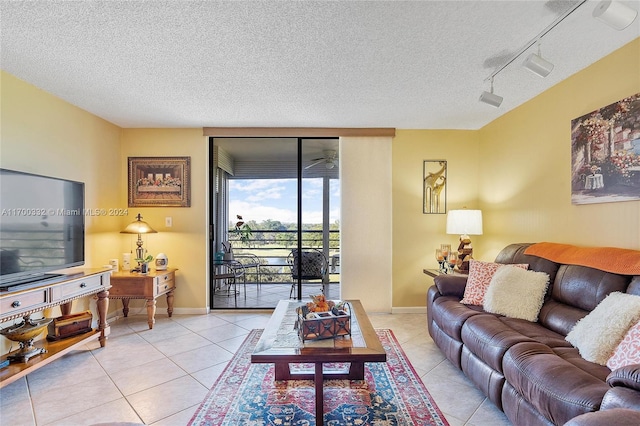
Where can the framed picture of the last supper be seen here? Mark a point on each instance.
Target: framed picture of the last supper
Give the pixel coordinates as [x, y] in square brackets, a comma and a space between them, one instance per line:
[159, 182]
[605, 154]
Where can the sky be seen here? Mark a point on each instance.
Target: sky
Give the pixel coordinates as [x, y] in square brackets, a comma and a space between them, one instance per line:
[275, 199]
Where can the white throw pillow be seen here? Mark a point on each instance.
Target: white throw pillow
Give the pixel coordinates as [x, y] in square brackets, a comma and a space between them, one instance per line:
[598, 334]
[516, 293]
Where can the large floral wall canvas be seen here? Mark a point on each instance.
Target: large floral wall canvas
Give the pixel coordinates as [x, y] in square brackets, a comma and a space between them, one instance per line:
[605, 154]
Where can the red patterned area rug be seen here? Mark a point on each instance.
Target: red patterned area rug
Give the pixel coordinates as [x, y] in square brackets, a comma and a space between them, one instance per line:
[247, 394]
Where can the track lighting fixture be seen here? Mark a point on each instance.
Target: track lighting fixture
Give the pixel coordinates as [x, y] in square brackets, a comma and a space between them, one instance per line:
[615, 14]
[491, 98]
[537, 65]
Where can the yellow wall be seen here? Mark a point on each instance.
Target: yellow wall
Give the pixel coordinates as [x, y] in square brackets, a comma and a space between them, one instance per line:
[185, 243]
[416, 235]
[44, 135]
[525, 165]
[517, 170]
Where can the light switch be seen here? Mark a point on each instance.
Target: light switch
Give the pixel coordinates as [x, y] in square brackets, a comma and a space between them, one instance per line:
[168, 221]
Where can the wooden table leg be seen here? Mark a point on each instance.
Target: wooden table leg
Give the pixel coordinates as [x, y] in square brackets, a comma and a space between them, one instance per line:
[319, 395]
[170, 303]
[356, 371]
[103, 306]
[125, 307]
[151, 312]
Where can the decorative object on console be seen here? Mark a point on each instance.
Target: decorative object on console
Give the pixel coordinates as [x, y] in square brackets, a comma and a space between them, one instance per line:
[464, 223]
[70, 325]
[126, 261]
[323, 319]
[24, 333]
[159, 182]
[139, 227]
[161, 262]
[599, 333]
[434, 186]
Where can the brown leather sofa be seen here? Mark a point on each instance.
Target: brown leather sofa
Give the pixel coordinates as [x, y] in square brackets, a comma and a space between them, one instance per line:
[529, 370]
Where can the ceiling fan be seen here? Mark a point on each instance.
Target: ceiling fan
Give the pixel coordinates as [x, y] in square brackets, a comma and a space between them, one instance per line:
[330, 159]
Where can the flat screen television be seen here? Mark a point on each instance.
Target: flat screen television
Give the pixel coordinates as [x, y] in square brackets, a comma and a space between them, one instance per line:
[41, 227]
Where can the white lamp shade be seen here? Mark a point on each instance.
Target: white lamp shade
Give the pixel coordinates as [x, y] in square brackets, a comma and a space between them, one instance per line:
[615, 14]
[464, 222]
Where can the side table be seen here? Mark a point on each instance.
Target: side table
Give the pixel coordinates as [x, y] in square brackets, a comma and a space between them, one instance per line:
[436, 272]
[134, 285]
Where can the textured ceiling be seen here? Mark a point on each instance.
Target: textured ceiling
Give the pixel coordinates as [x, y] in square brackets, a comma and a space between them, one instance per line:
[415, 64]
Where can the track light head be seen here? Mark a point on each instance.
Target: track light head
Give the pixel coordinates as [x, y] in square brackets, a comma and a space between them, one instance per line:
[491, 98]
[537, 65]
[615, 14]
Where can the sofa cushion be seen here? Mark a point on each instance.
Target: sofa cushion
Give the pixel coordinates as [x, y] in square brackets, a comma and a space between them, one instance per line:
[480, 274]
[628, 351]
[556, 388]
[489, 338]
[572, 355]
[450, 315]
[559, 317]
[516, 293]
[584, 287]
[597, 335]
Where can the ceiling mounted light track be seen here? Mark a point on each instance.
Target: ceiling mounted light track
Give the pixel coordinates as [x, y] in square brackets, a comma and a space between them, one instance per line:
[537, 64]
[491, 98]
[615, 14]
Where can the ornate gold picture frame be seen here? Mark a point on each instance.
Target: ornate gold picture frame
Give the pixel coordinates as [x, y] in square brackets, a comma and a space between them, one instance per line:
[159, 181]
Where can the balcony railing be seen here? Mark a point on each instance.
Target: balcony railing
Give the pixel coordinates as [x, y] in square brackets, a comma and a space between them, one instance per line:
[270, 249]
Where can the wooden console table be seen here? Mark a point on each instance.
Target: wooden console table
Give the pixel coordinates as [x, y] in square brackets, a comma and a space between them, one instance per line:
[149, 286]
[74, 284]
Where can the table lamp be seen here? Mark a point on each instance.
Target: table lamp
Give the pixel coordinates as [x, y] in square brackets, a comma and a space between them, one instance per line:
[464, 223]
[139, 227]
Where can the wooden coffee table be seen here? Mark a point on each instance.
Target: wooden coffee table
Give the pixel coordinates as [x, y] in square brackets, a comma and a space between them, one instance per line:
[281, 345]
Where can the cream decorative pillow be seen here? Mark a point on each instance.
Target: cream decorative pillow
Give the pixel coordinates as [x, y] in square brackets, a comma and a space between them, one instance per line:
[628, 351]
[598, 334]
[480, 274]
[516, 293]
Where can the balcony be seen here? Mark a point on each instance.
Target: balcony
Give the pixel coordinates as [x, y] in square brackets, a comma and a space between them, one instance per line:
[267, 276]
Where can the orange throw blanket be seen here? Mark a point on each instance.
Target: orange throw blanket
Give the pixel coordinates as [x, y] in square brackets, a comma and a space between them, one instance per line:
[615, 260]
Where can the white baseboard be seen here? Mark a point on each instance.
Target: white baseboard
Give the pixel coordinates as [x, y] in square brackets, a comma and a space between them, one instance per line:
[409, 310]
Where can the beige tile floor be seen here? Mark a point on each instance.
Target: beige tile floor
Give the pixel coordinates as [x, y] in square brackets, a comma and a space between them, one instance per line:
[160, 376]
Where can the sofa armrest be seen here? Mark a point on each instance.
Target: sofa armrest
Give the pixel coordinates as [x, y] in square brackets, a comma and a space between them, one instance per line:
[451, 285]
[628, 376]
[617, 417]
[625, 389]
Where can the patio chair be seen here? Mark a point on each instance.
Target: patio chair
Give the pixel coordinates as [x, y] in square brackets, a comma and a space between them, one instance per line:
[314, 266]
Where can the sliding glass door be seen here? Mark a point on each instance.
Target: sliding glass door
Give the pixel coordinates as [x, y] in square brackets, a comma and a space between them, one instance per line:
[272, 199]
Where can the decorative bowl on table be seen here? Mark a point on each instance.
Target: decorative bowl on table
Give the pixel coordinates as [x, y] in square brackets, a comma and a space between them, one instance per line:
[24, 333]
[323, 319]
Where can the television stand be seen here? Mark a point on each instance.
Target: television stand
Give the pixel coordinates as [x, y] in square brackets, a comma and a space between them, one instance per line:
[31, 282]
[62, 292]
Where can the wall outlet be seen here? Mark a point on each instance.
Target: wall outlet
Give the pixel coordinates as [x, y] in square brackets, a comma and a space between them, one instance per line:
[168, 221]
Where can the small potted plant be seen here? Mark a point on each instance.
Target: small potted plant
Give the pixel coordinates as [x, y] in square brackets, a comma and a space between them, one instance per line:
[243, 230]
[144, 263]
